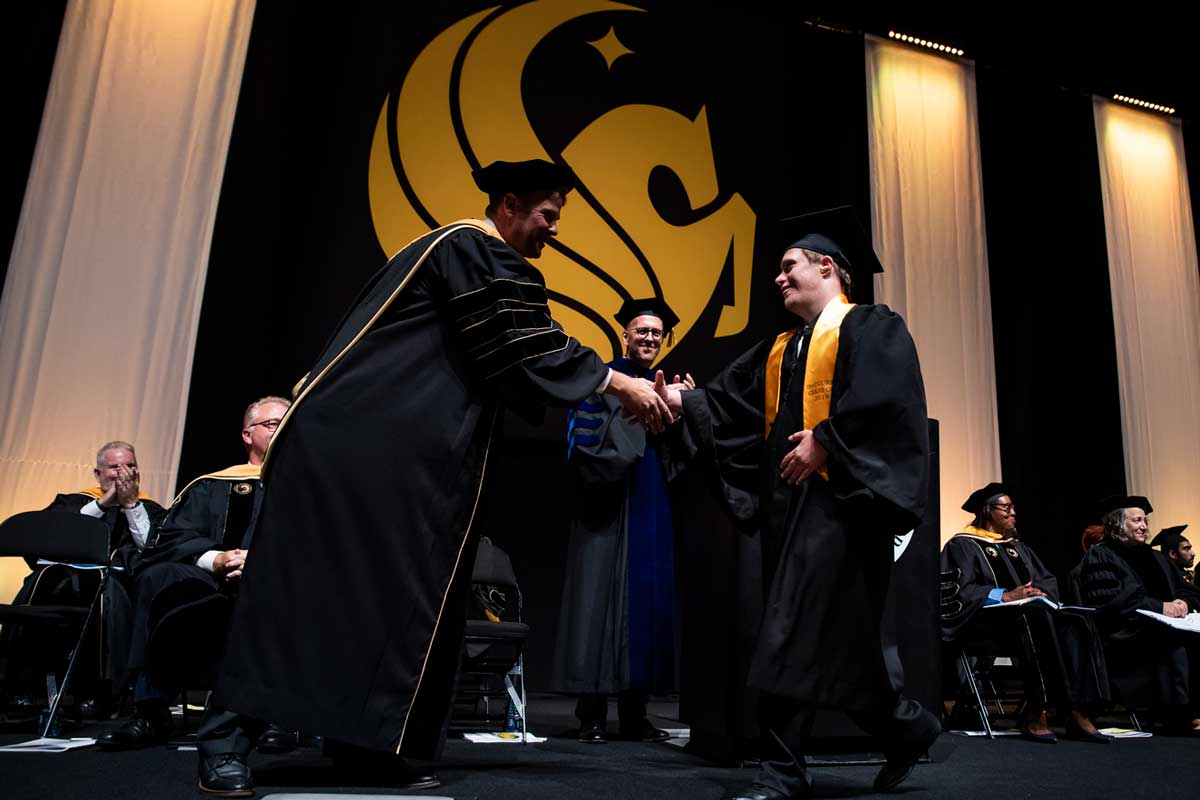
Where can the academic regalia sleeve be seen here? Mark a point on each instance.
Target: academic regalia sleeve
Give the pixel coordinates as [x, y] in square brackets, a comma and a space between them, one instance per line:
[965, 587]
[877, 434]
[189, 526]
[724, 426]
[601, 445]
[498, 309]
[1111, 587]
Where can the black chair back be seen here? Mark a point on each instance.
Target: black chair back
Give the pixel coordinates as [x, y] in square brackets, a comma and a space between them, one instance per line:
[55, 536]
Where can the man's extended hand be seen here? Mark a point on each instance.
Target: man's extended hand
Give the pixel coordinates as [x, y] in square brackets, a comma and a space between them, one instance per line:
[803, 460]
[640, 401]
[686, 385]
[670, 392]
[230, 564]
[1176, 608]
[1021, 592]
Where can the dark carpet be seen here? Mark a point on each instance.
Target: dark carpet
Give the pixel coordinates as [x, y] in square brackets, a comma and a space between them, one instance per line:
[561, 767]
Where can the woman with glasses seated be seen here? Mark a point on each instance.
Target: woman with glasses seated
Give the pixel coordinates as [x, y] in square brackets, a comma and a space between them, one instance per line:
[1058, 652]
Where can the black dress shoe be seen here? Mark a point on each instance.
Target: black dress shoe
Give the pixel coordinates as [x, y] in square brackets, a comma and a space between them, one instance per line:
[900, 764]
[276, 740]
[756, 792]
[226, 775]
[1040, 738]
[643, 731]
[593, 733]
[137, 733]
[379, 769]
[1078, 734]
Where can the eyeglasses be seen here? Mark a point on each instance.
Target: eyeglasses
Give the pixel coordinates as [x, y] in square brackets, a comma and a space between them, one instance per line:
[652, 333]
[1007, 508]
[269, 424]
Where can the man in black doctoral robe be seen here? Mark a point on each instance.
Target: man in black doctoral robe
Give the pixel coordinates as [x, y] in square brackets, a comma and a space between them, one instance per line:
[365, 534]
[616, 625]
[189, 575]
[131, 518]
[1059, 652]
[1148, 661]
[820, 440]
[1178, 550]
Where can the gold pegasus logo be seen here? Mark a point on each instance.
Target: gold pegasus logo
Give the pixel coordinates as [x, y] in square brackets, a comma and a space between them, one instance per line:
[461, 105]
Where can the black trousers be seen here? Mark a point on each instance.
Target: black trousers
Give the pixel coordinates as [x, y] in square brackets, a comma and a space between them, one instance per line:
[592, 709]
[223, 731]
[899, 724]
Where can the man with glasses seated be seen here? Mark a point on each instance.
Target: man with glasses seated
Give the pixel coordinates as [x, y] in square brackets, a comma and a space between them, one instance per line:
[201, 540]
[1059, 652]
[615, 633]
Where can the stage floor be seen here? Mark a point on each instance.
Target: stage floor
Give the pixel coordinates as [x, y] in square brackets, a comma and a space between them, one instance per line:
[563, 768]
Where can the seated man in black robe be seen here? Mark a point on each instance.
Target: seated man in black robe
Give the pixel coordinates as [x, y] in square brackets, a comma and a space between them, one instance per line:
[1148, 661]
[1178, 550]
[1059, 652]
[199, 542]
[131, 518]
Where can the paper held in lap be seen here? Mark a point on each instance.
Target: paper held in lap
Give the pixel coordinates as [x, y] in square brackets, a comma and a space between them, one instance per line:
[1043, 600]
[1189, 623]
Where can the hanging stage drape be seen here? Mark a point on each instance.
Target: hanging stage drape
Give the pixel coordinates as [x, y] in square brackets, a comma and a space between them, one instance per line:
[102, 296]
[1156, 305]
[928, 228]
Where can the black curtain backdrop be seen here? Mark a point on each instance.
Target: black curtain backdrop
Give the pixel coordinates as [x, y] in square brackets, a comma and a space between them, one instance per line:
[1052, 320]
[27, 46]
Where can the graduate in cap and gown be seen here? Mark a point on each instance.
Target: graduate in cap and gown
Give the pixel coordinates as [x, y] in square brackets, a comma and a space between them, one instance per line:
[818, 440]
[1148, 662]
[1059, 652]
[617, 620]
[1178, 550]
[350, 619]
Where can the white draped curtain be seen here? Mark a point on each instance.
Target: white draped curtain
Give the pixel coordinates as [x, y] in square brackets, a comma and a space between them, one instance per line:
[1156, 305]
[102, 297]
[928, 227]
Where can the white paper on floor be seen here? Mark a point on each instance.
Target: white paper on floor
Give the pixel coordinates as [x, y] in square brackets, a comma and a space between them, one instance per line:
[505, 737]
[45, 745]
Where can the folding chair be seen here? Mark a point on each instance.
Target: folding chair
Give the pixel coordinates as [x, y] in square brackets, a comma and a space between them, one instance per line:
[495, 646]
[64, 538]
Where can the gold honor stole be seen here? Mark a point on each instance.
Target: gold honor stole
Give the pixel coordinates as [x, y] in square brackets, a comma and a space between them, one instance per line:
[96, 493]
[818, 369]
[980, 533]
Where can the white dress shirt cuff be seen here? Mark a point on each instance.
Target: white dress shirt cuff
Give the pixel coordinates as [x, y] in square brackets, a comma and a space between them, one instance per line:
[205, 561]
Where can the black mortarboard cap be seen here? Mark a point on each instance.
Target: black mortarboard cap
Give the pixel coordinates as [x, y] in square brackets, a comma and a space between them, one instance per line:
[1115, 501]
[501, 177]
[837, 233]
[978, 499]
[1169, 538]
[655, 306]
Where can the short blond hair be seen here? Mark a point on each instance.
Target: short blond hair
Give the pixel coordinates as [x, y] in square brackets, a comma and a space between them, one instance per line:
[114, 445]
[252, 409]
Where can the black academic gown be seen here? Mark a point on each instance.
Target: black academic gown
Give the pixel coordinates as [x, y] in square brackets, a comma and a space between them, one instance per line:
[1147, 661]
[62, 585]
[1060, 653]
[350, 618]
[616, 619]
[213, 512]
[827, 544]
